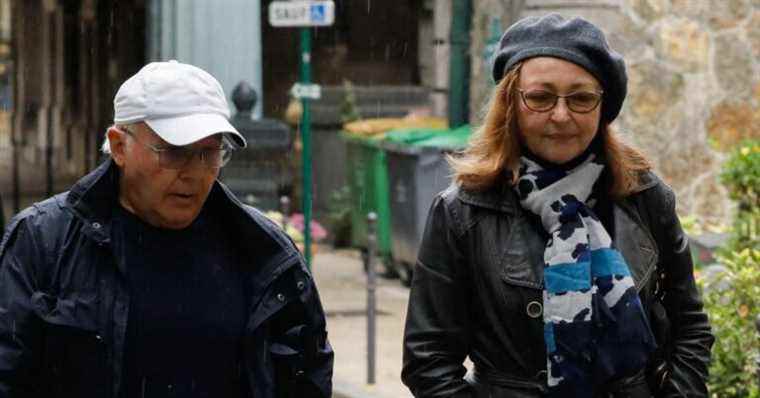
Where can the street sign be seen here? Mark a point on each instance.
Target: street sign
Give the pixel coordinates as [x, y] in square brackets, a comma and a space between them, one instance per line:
[310, 91]
[302, 13]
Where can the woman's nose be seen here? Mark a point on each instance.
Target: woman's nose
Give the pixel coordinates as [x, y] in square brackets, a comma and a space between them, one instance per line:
[560, 112]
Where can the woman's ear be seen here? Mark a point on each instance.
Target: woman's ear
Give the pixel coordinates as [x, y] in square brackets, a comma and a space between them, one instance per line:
[117, 140]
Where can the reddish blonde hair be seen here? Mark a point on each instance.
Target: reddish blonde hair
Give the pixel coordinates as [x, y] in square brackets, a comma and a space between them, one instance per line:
[493, 153]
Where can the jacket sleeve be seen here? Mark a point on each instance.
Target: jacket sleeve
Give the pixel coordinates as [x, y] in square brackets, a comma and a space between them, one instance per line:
[20, 330]
[437, 333]
[691, 339]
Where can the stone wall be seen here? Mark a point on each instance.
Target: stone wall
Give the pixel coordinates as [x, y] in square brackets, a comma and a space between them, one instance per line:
[694, 82]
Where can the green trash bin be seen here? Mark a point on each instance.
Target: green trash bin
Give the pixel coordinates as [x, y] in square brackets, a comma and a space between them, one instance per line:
[367, 177]
[417, 171]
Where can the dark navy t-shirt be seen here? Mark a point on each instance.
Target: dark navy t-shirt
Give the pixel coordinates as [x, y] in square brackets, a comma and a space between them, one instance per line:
[187, 309]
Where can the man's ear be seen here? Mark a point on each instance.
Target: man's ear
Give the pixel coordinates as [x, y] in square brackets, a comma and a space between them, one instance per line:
[117, 140]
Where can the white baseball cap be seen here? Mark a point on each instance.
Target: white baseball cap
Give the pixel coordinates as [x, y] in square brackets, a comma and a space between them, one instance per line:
[180, 102]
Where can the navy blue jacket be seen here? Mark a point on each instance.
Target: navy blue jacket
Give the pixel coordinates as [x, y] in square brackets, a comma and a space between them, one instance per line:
[64, 300]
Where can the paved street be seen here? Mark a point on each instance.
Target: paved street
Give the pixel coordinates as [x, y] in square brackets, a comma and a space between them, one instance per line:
[342, 286]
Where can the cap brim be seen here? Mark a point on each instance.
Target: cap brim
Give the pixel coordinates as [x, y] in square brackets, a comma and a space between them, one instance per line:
[184, 130]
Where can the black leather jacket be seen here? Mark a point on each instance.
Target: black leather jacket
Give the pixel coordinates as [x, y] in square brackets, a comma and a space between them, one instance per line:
[64, 301]
[479, 279]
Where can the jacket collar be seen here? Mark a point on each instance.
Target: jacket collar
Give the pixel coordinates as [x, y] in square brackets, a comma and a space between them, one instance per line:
[502, 198]
[499, 198]
[92, 198]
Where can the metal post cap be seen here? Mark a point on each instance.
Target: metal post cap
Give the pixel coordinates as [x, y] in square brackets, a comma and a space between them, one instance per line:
[244, 97]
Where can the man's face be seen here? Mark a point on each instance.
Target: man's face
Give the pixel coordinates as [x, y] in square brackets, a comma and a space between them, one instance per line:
[164, 198]
[560, 134]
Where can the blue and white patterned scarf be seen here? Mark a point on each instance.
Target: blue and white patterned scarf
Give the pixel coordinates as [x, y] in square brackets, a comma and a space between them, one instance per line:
[594, 325]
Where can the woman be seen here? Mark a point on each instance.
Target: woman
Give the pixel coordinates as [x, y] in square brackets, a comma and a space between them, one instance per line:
[556, 262]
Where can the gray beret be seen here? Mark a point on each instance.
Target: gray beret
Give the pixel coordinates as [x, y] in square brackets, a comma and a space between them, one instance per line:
[575, 40]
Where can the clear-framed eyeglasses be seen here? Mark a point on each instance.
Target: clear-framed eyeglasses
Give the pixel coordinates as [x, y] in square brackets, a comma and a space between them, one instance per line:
[177, 157]
[544, 101]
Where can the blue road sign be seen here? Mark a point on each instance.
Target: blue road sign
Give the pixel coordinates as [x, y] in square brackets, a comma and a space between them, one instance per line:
[317, 13]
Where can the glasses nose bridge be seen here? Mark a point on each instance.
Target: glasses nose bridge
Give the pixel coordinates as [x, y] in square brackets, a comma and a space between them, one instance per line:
[556, 107]
[189, 159]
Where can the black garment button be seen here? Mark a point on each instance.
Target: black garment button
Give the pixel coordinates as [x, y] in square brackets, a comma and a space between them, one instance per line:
[534, 309]
[300, 285]
[280, 297]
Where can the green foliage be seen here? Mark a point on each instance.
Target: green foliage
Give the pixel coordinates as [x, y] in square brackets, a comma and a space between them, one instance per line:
[732, 298]
[741, 175]
[746, 230]
[348, 109]
[339, 217]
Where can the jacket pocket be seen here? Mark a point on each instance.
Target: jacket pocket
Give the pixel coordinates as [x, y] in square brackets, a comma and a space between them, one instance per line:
[74, 353]
[519, 305]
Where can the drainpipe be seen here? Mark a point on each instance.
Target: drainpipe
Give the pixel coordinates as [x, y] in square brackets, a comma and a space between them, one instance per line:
[459, 71]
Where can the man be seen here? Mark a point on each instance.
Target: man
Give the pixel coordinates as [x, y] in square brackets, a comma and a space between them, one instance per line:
[148, 278]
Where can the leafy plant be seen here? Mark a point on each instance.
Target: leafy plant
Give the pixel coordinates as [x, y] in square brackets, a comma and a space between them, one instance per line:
[339, 216]
[732, 298]
[741, 175]
[732, 294]
[349, 111]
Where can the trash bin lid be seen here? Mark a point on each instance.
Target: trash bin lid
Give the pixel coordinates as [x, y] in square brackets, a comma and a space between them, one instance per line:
[454, 139]
[410, 136]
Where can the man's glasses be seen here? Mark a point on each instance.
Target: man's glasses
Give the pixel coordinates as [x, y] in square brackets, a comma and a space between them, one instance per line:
[544, 101]
[177, 157]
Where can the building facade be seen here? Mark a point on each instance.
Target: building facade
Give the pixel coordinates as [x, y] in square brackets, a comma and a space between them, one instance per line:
[59, 64]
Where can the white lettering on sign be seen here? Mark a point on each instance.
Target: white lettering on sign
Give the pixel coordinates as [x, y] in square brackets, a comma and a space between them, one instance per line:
[309, 91]
[302, 13]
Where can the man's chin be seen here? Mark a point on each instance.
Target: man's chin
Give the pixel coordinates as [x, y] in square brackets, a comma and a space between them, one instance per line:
[177, 221]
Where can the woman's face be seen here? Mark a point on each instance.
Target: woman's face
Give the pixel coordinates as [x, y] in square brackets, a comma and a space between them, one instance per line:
[559, 134]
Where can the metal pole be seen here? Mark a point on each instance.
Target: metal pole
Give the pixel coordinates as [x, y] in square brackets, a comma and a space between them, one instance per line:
[16, 198]
[459, 70]
[285, 210]
[306, 140]
[371, 303]
[49, 154]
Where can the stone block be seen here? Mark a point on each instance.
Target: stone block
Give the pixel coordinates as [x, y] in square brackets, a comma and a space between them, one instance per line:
[721, 14]
[731, 122]
[727, 13]
[733, 65]
[683, 43]
[753, 33]
[648, 10]
[630, 38]
[690, 8]
[653, 90]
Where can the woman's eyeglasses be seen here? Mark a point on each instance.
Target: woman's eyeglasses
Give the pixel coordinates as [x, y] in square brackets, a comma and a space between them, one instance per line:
[544, 101]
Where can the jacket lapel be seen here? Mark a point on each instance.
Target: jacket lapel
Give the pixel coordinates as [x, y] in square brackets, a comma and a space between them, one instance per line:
[635, 243]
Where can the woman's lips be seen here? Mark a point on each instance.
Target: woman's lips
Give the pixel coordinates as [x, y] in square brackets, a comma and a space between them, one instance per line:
[561, 137]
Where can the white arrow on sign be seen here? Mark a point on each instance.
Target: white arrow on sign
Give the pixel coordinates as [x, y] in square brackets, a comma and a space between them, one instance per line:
[302, 13]
[310, 91]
